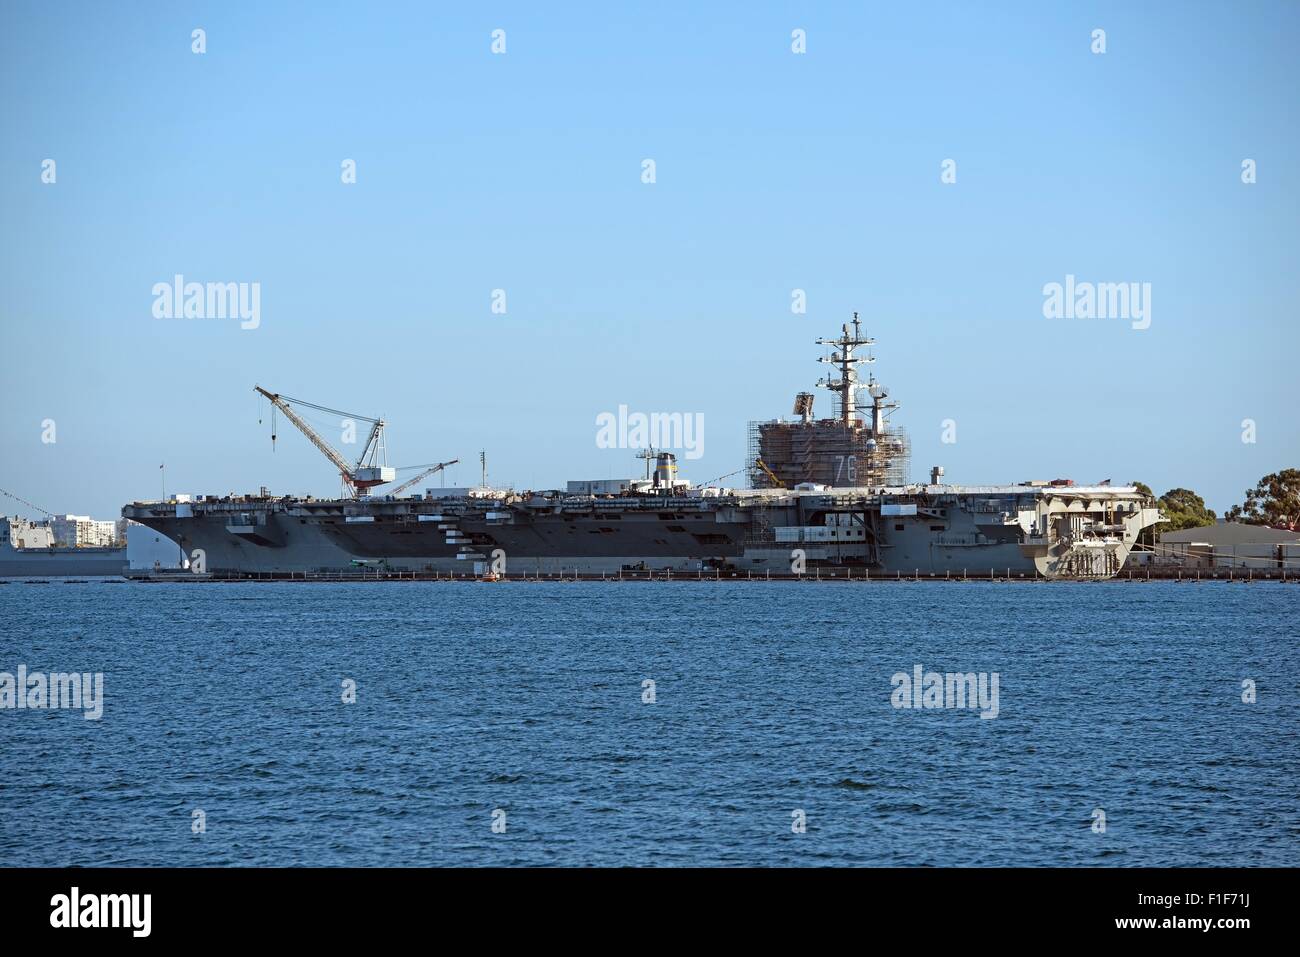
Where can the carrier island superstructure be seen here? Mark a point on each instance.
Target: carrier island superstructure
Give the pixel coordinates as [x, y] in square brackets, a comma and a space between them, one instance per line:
[829, 492]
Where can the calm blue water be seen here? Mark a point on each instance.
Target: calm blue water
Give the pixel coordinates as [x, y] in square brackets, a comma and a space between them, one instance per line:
[771, 697]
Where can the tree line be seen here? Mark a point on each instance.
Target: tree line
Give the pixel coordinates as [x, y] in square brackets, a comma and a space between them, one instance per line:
[1273, 502]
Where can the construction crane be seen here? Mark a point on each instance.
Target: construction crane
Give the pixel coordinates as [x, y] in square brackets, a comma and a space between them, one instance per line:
[25, 502]
[770, 474]
[430, 470]
[368, 470]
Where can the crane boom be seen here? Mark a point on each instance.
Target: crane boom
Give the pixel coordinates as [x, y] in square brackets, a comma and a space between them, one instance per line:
[328, 450]
[433, 469]
[345, 468]
[770, 474]
[374, 442]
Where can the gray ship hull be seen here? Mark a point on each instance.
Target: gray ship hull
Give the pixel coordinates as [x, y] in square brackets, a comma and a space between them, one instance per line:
[273, 547]
[62, 562]
[944, 530]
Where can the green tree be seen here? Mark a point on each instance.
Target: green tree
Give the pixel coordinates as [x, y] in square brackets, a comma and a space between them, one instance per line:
[1182, 508]
[1275, 502]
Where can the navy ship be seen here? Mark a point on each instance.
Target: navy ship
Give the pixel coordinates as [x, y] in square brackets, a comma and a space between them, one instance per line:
[824, 493]
[31, 549]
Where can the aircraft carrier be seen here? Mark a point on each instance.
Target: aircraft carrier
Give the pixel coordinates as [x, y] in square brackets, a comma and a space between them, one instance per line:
[825, 493]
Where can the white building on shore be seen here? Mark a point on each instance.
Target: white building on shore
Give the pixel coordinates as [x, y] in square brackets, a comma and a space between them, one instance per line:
[82, 531]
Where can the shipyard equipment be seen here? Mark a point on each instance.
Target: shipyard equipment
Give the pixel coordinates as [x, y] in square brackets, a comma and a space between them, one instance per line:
[772, 476]
[369, 469]
[428, 470]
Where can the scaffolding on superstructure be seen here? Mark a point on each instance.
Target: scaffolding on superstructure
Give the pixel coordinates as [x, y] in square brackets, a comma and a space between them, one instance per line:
[846, 451]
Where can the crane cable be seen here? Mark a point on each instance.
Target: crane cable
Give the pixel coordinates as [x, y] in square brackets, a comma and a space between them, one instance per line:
[27, 503]
[322, 408]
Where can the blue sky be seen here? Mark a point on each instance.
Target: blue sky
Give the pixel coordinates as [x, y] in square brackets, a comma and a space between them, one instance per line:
[522, 172]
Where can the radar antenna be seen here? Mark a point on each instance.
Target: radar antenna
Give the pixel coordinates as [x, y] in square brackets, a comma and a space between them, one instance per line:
[842, 356]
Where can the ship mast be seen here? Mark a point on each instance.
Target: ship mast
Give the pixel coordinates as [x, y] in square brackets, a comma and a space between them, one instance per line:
[843, 356]
[649, 454]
